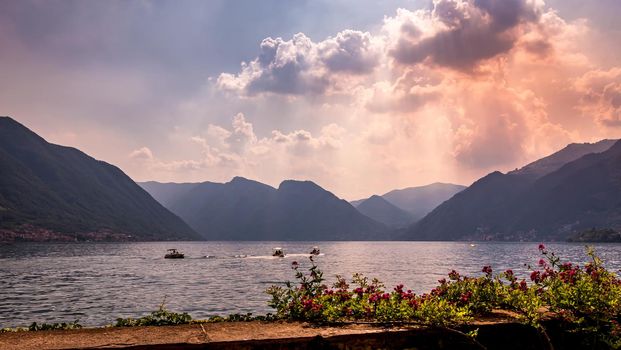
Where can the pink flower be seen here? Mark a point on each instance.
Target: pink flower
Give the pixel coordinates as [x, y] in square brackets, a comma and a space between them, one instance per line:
[542, 247]
[487, 270]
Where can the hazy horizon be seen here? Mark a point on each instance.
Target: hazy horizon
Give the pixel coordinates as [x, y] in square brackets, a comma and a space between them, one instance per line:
[360, 97]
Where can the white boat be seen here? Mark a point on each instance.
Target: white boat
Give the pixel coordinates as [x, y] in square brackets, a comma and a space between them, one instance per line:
[278, 252]
[174, 254]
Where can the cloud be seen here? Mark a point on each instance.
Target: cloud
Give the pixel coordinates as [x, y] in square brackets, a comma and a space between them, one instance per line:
[445, 92]
[237, 150]
[300, 66]
[349, 51]
[460, 34]
[143, 153]
[600, 96]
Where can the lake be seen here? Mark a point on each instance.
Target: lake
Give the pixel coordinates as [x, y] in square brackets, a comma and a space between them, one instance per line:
[98, 282]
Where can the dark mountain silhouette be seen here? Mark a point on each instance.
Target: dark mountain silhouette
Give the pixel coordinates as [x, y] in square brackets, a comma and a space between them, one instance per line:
[46, 189]
[420, 200]
[243, 209]
[379, 209]
[568, 154]
[543, 200]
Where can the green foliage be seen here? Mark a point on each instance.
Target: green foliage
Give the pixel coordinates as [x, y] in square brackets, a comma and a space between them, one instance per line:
[54, 326]
[587, 298]
[238, 318]
[161, 317]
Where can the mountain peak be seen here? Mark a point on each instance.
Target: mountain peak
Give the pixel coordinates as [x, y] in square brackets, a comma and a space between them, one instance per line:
[379, 209]
[239, 179]
[74, 194]
[556, 160]
[248, 210]
[301, 184]
[6, 121]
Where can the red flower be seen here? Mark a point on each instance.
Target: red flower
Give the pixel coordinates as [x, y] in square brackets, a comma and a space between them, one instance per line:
[465, 297]
[487, 270]
[535, 276]
[542, 247]
[374, 297]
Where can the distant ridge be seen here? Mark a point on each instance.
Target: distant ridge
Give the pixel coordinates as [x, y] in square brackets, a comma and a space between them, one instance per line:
[379, 209]
[576, 188]
[419, 201]
[244, 209]
[51, 192]
[568, 154]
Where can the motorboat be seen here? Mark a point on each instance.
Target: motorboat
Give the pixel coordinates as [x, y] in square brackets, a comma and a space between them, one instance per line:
[278, 252]
[315, 251]
[173, 254]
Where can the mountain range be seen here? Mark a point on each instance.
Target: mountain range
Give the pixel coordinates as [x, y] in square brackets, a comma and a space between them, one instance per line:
[576, 188]
[398, 208]
[52, 192]
[244, 209]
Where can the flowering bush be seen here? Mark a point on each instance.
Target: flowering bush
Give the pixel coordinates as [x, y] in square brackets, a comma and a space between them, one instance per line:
[586, 298]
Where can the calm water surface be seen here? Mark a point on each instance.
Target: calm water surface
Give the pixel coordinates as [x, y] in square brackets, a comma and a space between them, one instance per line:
[98, 282]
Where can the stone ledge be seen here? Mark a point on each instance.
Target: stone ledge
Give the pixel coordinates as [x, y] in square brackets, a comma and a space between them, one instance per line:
[284, 335]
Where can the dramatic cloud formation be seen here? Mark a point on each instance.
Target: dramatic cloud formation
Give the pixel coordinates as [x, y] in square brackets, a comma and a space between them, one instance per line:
[488, 70]
[299, 66]
[361, 98]
[460, 34]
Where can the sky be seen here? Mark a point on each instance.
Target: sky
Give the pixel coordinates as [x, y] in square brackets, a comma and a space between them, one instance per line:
[361, 96]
